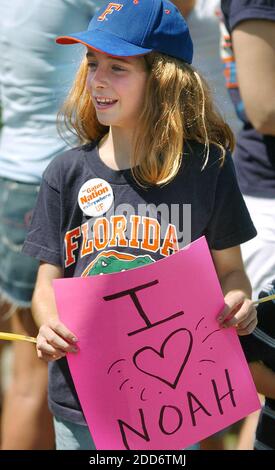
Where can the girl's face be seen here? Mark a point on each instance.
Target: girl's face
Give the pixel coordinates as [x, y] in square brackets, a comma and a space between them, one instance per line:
[117, 87]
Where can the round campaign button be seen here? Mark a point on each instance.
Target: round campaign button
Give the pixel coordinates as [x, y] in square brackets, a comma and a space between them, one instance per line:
[95, 197]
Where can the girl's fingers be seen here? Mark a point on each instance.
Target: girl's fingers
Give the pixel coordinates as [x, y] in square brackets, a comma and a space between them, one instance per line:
[246, 312]
[55, 340]
[47, 348]
[232, 304]
[48, 357]
[250, 318]
[63, 331]
[249, 329]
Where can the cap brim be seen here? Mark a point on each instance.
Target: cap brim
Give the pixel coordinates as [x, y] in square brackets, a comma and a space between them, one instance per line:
[104, 42]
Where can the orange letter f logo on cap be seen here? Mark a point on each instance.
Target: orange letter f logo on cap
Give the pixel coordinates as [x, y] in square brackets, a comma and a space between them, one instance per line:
[110, 8]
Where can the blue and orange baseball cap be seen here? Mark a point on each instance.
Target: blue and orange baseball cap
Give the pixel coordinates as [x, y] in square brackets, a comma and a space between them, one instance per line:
[136, 27]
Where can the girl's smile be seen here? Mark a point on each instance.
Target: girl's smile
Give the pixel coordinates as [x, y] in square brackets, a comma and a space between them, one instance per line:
[102, 103]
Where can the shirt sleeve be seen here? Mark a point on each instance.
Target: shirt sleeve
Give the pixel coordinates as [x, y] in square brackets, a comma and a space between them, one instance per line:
[43, 238]
[230, 223]
[236, 11]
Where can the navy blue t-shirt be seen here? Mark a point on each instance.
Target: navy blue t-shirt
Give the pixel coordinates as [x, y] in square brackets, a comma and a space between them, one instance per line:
[255, 153]
[142, 226]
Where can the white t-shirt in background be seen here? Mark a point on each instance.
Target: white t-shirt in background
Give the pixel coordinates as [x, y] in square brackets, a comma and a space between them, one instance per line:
[35, 76]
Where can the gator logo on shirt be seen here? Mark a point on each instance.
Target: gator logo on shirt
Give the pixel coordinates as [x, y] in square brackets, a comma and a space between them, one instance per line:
[113, 262]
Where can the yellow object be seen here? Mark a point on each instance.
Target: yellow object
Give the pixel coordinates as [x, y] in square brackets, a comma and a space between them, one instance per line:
[13, 337]
[264, 299]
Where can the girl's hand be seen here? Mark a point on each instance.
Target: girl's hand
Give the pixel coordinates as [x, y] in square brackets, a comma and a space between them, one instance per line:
[239, 312]
[54, 341]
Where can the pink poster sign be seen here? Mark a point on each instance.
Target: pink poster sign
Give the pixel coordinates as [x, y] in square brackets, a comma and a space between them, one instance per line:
[154, 371]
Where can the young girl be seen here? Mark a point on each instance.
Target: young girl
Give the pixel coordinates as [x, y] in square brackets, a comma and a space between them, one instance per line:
[151, 141]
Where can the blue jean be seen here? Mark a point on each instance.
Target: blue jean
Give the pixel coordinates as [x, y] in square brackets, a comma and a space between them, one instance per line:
[17, 270]
[71, 436]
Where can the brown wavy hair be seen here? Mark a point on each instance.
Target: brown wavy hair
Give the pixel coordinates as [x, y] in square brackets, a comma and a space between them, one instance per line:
[178, 107]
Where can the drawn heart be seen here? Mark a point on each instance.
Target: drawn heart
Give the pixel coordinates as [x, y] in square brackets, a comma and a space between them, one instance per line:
[151, 362]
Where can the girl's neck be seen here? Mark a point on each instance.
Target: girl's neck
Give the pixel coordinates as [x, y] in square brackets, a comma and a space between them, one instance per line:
[115, 148]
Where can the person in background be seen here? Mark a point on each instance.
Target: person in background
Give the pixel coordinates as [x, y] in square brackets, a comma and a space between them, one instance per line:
[259, 351]
[248, 54]
[34, 77]
[204, 24]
